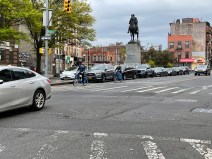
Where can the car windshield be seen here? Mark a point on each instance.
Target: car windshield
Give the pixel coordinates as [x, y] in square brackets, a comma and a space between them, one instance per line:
[71, 69]
[201, 66]
[98, 67]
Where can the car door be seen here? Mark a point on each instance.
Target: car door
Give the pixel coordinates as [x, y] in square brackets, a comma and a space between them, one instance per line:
[109, 71]
[24, 86]
[6, 88]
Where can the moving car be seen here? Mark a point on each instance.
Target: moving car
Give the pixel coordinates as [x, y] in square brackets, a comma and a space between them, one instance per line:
[20, 87]
[144, 70]
[69, 73]
[128, 71]
[101, 72]
[178, 70]
[202, 69]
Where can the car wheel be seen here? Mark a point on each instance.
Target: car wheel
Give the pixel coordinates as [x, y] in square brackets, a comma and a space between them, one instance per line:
[103, 78]
[124, 77]
[134, 76]
[38, 100]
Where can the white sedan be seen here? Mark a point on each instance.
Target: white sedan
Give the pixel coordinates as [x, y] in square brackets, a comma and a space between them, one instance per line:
[21, 87]
[69, 73]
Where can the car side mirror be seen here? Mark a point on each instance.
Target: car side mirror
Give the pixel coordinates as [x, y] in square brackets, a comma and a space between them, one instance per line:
[1, 81]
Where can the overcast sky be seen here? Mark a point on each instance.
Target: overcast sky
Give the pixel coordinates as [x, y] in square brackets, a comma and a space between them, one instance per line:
[112, 18]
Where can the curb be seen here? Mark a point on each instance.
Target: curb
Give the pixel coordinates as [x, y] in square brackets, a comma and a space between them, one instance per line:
[61, 83]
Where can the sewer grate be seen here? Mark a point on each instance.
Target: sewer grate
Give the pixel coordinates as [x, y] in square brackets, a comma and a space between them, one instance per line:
[201, 110]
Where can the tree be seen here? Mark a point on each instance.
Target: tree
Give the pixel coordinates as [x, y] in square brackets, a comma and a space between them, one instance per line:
[76, 25]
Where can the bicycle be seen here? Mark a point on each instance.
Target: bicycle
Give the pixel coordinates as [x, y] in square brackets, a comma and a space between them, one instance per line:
[117, 76]
[78, 80]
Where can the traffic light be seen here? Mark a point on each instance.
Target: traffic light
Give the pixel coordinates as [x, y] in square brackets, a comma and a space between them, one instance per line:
[67, 6]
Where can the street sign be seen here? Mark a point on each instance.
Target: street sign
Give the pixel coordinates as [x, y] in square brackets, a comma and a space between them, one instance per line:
[46, 37]
[51, 31]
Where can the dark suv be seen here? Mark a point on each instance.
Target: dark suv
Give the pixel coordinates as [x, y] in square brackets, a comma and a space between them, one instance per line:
[101, 72]
[202, 69]
[144, 70]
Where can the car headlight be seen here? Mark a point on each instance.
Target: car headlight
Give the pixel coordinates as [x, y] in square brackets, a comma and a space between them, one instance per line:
[98, 74]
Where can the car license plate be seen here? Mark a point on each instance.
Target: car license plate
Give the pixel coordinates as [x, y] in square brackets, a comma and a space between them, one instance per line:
[89, 77]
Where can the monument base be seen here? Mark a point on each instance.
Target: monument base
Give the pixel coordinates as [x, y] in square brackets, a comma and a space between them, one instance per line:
[133, 52]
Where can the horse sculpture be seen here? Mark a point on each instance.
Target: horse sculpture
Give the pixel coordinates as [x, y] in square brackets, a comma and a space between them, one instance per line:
[133, 30]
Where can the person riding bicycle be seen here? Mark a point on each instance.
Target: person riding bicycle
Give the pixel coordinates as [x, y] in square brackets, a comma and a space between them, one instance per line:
[118, 71]
[81, 71]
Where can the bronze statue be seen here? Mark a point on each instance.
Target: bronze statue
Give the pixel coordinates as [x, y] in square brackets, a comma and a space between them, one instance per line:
[133, 27]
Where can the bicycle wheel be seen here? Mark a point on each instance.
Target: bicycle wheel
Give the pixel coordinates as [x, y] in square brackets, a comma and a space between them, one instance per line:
[76, 82]
[115, 78]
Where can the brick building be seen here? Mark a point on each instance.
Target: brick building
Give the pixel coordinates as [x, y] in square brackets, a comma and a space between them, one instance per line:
[105, 54]
[189, 40]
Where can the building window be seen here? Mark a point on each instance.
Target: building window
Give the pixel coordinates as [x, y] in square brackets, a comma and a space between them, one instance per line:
[187, 44]
[179, 55]
[171, 45]
[103, 57]
[99, 58]
[11, 57]
[94, 58]
[111, 58]
[179, 45]
[2, 55]
[187, 54]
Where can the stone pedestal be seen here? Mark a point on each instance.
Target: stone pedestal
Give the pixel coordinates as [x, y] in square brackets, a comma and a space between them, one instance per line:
[133, 51]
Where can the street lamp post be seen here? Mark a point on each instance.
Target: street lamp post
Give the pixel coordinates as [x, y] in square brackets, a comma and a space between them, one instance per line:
[46, 39]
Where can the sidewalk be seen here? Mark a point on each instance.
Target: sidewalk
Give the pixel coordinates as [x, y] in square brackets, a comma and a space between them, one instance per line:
[57, 81]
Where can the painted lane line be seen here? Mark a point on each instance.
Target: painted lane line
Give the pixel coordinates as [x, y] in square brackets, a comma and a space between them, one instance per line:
[129, 90]
[186, 100]
[108, 88]
[149, 89]
[195, 92]
[98, 147]
[151, 148]
[182, 90]
[166, 90]
[200, 147]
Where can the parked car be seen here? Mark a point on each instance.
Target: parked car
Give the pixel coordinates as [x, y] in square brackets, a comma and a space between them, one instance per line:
[128, 71]
[144, 70]
[178, 70]
[202, 69]
[22, 87]
[160, 71]
[69, 73]
[101, 72]
[185, 70]
[171, 71]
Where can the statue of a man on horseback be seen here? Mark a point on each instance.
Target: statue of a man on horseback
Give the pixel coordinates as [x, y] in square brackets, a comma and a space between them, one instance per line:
[133, 27]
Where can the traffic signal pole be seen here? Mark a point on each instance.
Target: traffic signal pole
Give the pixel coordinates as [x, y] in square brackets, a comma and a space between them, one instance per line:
[46, 39]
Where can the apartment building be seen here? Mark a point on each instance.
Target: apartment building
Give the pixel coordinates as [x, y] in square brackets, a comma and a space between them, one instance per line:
[189, 41]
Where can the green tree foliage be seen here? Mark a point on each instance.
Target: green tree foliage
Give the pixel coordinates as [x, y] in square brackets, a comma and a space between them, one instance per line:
[160, 58]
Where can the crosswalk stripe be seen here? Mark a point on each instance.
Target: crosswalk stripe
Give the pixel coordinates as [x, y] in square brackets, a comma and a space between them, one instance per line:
[136, 89]
[149, 89]
[98, 147]
[108, 88]
[200, 147]
[195, 92]
[182, 90]
[151, 148]
[166, 89]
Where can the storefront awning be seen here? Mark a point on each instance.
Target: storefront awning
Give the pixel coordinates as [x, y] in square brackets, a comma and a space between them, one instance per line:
[187, 60]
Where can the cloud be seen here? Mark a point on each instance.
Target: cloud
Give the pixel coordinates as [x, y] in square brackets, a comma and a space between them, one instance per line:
[154, 16]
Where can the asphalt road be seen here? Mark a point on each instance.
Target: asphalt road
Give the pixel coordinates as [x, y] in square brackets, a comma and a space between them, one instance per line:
[148, 118]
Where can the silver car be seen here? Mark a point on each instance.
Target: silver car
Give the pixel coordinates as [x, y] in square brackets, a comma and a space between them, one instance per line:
[21, 87]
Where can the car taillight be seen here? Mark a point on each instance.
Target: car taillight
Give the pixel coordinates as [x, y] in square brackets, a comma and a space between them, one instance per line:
[49, 81]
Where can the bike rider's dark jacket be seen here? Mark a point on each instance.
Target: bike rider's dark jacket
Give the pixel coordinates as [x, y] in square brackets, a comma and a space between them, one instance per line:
[118, 68]
[81, 68]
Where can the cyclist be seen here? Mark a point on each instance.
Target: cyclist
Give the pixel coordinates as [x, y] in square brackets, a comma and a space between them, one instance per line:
[81, 71]
[118, 72]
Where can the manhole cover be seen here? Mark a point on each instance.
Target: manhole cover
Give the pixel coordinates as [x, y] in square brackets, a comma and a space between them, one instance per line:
[201, 110]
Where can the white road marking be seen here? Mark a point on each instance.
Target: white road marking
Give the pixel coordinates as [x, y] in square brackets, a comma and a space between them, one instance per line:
[151, 149]
[2, 148]
[136, 89]
[182, 90]
[107, 88]
[98, 147]
[195, 92]
[166, 89]
[200, 147]
[149, 89]
[186, 100]
[47, 149]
